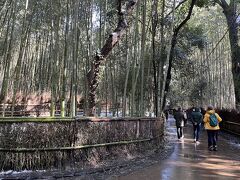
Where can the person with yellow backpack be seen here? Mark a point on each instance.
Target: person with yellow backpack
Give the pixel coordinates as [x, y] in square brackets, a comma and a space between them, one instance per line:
[211, 123]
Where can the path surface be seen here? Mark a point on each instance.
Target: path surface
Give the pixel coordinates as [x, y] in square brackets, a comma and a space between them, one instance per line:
[191, 161]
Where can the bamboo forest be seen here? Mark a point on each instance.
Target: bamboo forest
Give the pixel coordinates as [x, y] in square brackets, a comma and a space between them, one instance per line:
[165, 53]
[79, 78]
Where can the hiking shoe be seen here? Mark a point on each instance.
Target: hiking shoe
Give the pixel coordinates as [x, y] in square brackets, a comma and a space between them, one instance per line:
[210, 148]
[215, 148]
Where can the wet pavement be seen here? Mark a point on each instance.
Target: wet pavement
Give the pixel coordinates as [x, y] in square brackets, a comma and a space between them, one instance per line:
[193, 161]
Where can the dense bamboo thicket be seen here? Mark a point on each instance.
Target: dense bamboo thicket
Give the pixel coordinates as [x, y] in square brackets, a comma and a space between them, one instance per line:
[206, 78]
[124, 57]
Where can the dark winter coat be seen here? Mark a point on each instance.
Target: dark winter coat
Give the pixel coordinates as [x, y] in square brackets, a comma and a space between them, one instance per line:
[197, 118]
[179, 117]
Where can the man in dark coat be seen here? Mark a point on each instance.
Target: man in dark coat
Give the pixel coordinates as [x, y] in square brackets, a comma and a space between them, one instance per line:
[197, 119]
[179, 117]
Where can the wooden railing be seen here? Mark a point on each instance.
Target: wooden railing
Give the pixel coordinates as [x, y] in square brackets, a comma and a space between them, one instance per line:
[231, 127]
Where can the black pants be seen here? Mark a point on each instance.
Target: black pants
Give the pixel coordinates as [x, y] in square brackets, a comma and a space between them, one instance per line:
[212, 137]
[196, 131]
[179, 132]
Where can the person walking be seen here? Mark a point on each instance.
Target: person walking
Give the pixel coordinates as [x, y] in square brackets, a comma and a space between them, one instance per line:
[166, 113]
[179, 117]
[196, 119]
[211, 123]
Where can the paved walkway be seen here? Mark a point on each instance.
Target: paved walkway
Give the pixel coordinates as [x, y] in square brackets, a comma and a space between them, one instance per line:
[191, 161]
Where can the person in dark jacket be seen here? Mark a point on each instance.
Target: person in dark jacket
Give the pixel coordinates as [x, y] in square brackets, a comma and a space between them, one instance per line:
[189, 114]
[179, 117]
[197, 119]
[166, 113]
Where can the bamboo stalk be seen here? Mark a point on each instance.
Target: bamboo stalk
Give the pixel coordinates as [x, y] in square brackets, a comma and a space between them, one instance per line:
[34, 120]
[231, 132]
[74, 147]
[54, 119]
[229, 122]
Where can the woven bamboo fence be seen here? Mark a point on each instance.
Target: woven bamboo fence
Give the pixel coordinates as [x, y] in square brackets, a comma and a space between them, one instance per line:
[55, 143]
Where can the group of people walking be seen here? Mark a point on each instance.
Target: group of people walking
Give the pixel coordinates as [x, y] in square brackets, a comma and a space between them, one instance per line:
[210, 119]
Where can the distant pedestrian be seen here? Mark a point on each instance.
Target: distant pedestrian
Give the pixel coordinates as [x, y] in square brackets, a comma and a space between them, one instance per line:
[196, 119]
[185, 117]
[189, 114]
[166, 113]
[211, 124]
[179, 117]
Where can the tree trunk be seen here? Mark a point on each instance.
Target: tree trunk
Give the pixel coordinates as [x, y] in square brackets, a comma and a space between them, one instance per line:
[162, 58]
[113, 39]
[171, 57]
[142, 107]
[229, 11]
[154, 26]
[128, 64]
[64, 75]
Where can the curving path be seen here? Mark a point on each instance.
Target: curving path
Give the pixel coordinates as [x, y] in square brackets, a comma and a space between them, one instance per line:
[190, 161]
